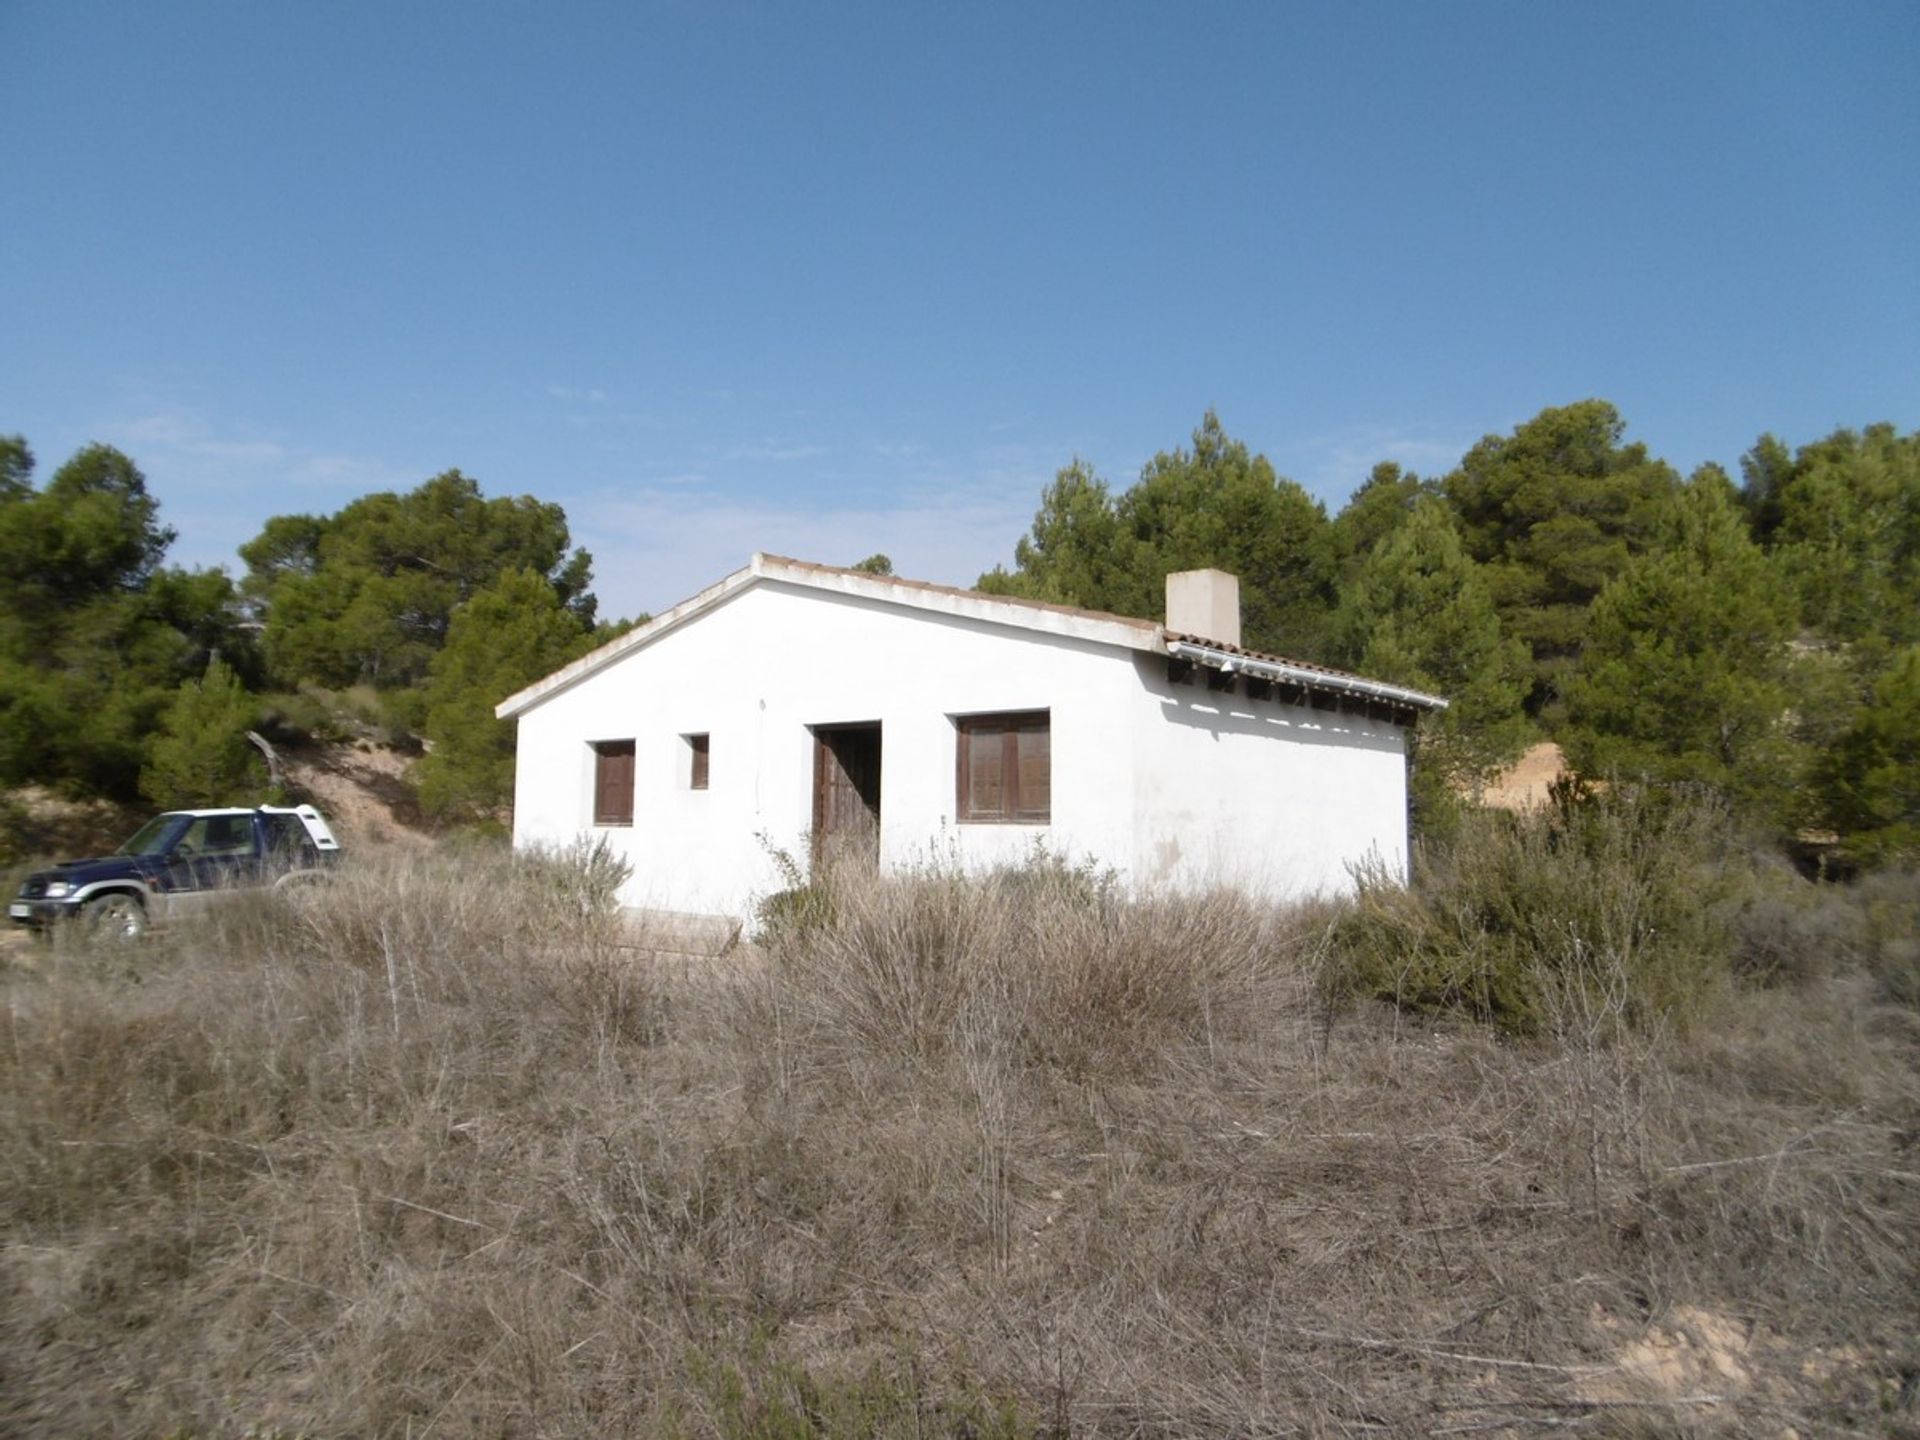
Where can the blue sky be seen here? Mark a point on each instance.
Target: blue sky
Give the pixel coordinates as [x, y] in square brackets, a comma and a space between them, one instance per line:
[829, 279]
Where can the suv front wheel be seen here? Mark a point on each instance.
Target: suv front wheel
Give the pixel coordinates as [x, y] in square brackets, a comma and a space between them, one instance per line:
[116, 917]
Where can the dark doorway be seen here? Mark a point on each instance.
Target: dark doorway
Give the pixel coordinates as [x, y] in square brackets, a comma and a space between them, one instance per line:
[846, 795]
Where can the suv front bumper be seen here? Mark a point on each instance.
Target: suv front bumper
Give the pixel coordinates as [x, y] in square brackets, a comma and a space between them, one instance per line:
[42, 914]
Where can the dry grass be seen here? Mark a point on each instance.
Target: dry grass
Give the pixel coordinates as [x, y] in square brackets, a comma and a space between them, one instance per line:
[429, 1153]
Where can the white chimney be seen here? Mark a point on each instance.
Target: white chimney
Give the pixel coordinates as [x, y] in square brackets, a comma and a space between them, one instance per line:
[1205, 603]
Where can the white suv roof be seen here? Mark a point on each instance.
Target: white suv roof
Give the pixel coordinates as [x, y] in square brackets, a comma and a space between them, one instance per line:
[317, 828]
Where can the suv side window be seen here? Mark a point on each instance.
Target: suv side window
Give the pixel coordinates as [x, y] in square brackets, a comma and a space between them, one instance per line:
[287, 840]
[226, 835]
[195, 840]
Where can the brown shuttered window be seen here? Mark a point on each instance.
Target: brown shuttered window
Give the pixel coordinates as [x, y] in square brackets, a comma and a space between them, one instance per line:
[1005, 768]
[697, 779]
[613, 782]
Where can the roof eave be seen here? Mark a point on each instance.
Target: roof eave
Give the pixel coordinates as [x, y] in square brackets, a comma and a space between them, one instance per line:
[1336, 682]
[572, 674]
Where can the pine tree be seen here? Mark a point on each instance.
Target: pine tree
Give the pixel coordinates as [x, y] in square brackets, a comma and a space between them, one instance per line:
[367, 595]
[96, 636]
[508, 635]
[1847, 530]
[1373, 512]
[202, 755]
[1072, 555]
[1219, 505]
[1684, 672]
[1216, 505]
[1555, 511]
[1419, 613]
[1870, 780]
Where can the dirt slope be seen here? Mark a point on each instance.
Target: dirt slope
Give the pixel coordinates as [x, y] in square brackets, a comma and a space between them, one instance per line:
[1525, 784]
[362, 789]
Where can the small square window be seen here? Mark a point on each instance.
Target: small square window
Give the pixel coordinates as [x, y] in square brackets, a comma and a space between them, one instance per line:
[613, 782]
[1005, 768]
[697, 774]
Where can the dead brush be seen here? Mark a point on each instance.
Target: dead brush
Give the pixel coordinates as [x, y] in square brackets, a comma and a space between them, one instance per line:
[476, 927]
[973, 1158]
[887, 966]
[1065, 978]
[339, 1057]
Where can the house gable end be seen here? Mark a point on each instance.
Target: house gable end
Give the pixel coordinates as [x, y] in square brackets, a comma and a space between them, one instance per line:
[827, 581]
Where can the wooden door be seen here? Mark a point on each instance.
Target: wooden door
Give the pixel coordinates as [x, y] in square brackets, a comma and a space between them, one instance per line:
[846, 795]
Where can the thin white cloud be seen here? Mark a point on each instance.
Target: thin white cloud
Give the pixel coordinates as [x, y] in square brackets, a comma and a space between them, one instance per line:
[357, 473]
[595, 407]
[898, 451]
[656, 546]
[188, 435]
[1334, 465]
[575, 395]
[773, 452]
[183, 447]
[218, 483]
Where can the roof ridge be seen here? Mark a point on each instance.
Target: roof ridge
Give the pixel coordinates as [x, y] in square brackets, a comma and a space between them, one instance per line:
[970, 591]
[1146, 634]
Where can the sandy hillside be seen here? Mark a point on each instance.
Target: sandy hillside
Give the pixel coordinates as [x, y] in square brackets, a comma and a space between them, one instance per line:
[1526, 783]
[362, 790]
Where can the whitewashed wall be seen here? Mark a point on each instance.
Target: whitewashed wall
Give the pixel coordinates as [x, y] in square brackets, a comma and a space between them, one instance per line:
[1276, 799]
[755, 673]
[1145, 780]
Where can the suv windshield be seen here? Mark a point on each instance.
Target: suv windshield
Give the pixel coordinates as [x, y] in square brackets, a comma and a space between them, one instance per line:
[152, 837]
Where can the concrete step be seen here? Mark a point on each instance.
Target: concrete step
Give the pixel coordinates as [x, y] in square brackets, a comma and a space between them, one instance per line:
[678, 932]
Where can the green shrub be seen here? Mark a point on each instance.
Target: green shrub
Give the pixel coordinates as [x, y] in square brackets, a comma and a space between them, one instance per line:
[202, 755]
[1046, 875]
[800, 905]
[16, 833]
[359, 712]
[1890, 939]
[792, 911]
[1794, 930]
[763, 1396]
[1626, 888]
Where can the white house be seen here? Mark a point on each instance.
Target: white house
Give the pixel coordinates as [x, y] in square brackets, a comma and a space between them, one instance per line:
[799, 709]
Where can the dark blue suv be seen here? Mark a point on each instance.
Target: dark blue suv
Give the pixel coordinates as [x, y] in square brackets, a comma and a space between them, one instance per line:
[175, 865]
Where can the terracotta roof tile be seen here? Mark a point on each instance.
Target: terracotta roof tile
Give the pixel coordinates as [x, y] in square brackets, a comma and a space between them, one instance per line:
[1174, 637]
[1266, 655]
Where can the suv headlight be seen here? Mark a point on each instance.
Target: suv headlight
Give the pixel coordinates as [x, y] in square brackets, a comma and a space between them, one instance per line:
[59, 889]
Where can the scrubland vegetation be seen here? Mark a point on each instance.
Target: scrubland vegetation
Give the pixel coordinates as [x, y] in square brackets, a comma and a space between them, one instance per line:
[1611, 1127]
